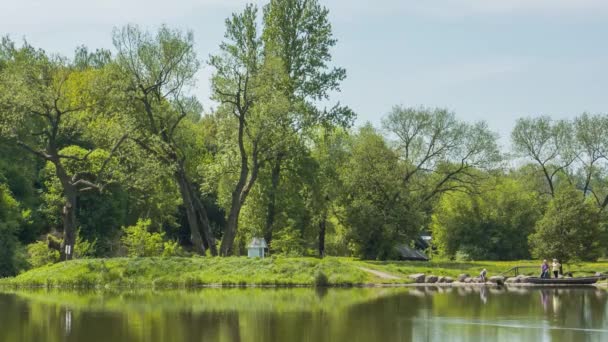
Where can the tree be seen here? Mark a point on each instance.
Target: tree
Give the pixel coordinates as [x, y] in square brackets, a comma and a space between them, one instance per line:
[379, 211]
[330, 154]
[45, 104]
[549, 144]
[592, 156]
[9, 224]
[569, 229]
[299, 34]
[158, 70]
[250, 90]
[440, 153]
[491, 224]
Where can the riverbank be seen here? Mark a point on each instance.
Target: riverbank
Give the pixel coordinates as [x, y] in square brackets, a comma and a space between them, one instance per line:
[240, 271]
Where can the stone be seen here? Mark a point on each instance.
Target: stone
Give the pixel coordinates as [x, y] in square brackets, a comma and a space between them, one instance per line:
[449, 280]
[598, 274]
[462, 277]
[441, 280]
[512, 280]
[468, 280]
[431, 279]
[523, 278]
[418, 277]
[478, 280]
[498, 280]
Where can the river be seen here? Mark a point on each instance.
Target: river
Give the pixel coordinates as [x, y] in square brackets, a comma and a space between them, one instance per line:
[349, 315]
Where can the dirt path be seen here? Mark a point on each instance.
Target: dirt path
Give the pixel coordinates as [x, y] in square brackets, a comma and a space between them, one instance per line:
[379, 274]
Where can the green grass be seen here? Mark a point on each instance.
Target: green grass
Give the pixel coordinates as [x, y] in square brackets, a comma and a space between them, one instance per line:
[240, 271]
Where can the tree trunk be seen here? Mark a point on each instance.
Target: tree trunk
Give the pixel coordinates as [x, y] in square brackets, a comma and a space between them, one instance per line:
[68, 212]
[322, 228]
[68, 215]
[200, 232]
[231, 227]
[271, 209]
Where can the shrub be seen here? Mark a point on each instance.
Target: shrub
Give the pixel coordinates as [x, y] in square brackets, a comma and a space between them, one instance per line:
[84, 249]
[39, 254]
[172, 248]
[139, 242]
[288, 242]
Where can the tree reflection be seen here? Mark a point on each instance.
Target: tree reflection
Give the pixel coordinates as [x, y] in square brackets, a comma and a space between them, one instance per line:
[417, 314]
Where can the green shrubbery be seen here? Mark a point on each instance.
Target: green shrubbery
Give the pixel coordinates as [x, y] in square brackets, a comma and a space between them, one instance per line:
[39, 254]
[139, 242]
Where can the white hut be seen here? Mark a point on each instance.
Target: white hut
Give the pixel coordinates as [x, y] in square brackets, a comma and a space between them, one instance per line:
[257, 248]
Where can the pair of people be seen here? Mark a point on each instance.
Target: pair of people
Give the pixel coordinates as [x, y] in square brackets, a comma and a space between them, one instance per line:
[556, 267]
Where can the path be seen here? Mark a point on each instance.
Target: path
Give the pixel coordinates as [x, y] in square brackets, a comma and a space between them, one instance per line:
[379, 274]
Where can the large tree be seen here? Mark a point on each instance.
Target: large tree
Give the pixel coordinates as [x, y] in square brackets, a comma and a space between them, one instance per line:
[491, 224]
[250, 88]
[158, 70]
[569, 229]
[379, 210]
[45, 106]
[549, 144]
[299, 34]
[441, 153]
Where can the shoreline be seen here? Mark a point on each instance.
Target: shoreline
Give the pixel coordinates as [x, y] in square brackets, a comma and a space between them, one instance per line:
[309, 286]
[273, 272]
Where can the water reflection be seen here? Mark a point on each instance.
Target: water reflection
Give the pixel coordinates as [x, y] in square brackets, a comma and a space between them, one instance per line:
[417, 314]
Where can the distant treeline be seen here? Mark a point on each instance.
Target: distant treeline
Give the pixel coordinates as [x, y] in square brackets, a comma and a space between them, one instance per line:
[108, 153]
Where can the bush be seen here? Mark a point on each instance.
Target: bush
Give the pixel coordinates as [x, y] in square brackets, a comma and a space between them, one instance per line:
[39, 254]
[84, 249]
[288, 242]
[569, 230]
[172, 248]
[139, 242]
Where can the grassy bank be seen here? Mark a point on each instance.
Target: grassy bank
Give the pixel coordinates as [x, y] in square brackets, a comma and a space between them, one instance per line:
[193, 272]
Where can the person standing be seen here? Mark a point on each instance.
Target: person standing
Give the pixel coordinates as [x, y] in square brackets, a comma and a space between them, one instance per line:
[544, 269]
[483, 274]
[556, 266]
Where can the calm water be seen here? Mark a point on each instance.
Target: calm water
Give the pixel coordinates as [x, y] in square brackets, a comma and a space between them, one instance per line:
[306, 315]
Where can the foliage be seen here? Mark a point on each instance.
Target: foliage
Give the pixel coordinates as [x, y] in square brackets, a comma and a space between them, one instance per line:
[39, 254]
[139, 242]
[379, 210]
[9, 223]
[288, 242]
[492, 223]
[569, 229]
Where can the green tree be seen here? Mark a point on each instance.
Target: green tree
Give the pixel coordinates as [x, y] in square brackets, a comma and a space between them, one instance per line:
[378, 209]
[492, 223]
[9, 225]
[547, 143]
[330, 153]
[569, 229]
[299, 34]
[441, 153]
[158, 70]
[45, 105]
[250, 88]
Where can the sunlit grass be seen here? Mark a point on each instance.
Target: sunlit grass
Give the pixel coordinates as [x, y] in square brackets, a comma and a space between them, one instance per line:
[240, 271]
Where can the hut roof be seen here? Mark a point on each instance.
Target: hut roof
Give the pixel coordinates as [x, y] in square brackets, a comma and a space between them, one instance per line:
[408, 253]
[258, 243]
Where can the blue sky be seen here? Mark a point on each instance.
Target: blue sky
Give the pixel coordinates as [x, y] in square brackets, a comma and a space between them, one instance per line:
[493, 60]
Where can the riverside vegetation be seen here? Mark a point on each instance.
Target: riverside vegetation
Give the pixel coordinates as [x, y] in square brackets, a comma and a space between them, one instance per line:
[107, 157]
[276, 271]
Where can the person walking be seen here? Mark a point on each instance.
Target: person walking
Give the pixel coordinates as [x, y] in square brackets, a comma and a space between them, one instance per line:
[556, 267]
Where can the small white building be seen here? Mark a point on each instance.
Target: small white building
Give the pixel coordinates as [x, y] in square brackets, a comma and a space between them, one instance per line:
[257, 248]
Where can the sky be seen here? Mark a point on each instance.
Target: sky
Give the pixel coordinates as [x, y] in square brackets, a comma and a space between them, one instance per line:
[492, 60]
